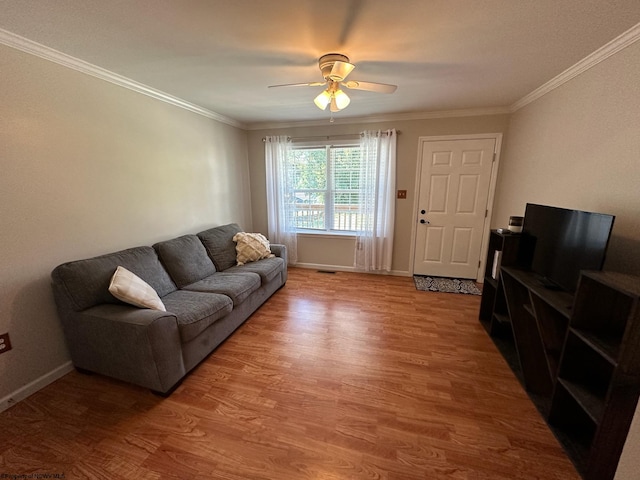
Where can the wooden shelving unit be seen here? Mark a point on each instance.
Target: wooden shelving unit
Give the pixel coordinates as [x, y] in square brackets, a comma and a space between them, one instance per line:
[578, 356]
[598, 381]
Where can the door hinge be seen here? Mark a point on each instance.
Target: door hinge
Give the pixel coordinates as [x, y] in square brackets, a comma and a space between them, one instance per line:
[494, 156]
[486, 213]
[479, 262]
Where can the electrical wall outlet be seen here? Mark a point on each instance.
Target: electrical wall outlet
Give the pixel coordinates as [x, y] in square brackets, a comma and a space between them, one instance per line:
[402, 194]
[5, 343]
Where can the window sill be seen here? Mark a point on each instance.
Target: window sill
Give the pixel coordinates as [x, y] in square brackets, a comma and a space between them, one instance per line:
[326, 234]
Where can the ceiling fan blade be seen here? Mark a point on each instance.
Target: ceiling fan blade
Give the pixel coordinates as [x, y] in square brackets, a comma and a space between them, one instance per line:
[340, 70]
[370, 86]
[311, 84]
[354, 9]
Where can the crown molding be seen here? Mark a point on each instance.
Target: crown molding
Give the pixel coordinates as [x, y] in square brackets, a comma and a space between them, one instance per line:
[614, 46]
[34, 48]
[469, 112]
[29, 46]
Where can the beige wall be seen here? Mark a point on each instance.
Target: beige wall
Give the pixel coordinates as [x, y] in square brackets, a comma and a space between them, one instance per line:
[338, 252]
[88, 168]
[579, 147]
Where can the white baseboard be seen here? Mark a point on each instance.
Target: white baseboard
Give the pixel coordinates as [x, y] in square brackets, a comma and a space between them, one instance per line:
[32, 387]
[343, 268]
[401, 273]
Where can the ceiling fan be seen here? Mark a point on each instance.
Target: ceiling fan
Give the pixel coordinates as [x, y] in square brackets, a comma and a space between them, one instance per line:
[335, 68]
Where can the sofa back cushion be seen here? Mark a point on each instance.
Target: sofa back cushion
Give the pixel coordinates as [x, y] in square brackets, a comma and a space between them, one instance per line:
[186, 259]
[220, 245]
[86, 282]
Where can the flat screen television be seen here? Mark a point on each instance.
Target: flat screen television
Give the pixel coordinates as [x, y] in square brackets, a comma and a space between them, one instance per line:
[557, 243]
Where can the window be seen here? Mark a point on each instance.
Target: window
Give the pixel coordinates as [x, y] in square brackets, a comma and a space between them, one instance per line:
[346, 188]
[326, 188]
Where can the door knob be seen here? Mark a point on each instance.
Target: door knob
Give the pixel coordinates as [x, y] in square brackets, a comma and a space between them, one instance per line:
[422, 220]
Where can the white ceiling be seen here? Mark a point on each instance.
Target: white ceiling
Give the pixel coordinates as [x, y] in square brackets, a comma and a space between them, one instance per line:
[222, 54]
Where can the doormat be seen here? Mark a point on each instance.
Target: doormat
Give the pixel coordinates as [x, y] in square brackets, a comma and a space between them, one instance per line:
[447, 285]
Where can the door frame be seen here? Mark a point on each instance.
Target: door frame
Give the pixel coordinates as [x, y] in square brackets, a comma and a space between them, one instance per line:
[497, 137]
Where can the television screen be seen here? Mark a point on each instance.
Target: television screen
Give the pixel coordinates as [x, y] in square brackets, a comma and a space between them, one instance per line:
[557, 243]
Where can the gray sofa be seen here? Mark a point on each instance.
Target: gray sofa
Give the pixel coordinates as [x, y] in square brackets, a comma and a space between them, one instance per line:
[207, 296]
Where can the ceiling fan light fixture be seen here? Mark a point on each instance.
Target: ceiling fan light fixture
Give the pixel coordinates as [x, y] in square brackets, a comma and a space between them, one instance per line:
[334, 108]
[323, 100]
[342, 100]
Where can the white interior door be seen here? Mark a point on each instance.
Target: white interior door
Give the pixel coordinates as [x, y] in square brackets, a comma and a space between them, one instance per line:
[455, 177]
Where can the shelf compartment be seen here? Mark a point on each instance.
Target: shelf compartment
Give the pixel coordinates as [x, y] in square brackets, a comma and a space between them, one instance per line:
[553, 326]
[612, 430]
[529, 345]
[502, 318]
[592, 403]
[507, 244]
[493, 307]
[572, 425]
[586, 375]
[607, 346]
[491, 281]
[487, 302]
[603, 309]
[558, 300]
[529, 309]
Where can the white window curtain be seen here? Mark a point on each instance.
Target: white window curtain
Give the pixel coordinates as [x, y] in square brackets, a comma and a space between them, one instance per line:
[280, 198]
[374, 243]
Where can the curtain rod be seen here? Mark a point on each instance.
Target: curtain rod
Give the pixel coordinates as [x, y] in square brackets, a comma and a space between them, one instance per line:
[329, 137]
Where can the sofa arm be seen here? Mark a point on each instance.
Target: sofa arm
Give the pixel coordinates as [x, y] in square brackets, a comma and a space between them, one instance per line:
[280, 251]
[139, 346]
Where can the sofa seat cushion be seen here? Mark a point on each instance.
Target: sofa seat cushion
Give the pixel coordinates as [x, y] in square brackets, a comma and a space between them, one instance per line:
[195, 311]
[237, 286]
[186, 259]
[267, 268]
[220, 245]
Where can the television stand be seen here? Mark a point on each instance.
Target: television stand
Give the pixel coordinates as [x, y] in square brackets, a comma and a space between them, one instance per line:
[575, 355]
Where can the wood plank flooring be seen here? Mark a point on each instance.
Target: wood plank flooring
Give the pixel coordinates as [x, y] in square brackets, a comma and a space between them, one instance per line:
[337, 376]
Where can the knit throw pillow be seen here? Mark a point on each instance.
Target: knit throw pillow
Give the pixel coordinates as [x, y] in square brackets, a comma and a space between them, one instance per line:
[251, 247]
[131, 289]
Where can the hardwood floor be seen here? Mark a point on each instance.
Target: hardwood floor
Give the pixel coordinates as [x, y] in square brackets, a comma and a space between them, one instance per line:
[337, 376]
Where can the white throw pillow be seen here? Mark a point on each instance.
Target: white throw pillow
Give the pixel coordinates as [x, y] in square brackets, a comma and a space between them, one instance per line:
[130, 288]
[251, 247]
